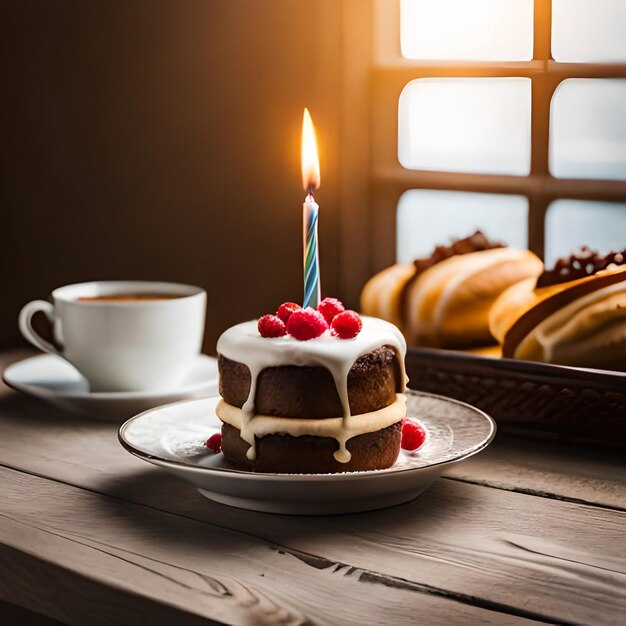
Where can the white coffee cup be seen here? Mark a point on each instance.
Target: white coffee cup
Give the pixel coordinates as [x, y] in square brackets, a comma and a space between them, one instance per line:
[123, 345]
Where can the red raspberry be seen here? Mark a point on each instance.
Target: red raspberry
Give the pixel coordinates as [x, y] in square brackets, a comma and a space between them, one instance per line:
[286, 309]
[347, 325]
[413, 434]
[306, 324]
[214, 442]
[329, 308]
[271, 326]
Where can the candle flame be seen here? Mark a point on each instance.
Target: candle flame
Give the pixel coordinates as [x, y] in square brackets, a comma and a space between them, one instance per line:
[310, 159]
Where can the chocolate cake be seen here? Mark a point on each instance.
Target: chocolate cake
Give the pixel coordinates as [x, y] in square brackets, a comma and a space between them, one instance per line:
[319, 406]
[314, 455]
[309, 392]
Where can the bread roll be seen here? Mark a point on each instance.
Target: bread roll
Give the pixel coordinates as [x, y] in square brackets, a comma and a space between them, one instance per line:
[514, 301]
[382, 294]
[579, 322]
[448, 304]
[444, 300]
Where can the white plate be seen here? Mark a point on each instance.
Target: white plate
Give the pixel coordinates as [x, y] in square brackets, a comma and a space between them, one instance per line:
[54, 380]
[173, 437]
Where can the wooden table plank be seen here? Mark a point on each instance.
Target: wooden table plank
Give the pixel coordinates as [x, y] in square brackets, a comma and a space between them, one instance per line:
[86, 558]
[568, 473]
[462, 539]
[504, 551]
[70, 597]
[15, 614]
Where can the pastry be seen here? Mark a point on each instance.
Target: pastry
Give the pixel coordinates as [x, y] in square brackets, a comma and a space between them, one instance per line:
[299, 398]
[574, 314]
[444, 300]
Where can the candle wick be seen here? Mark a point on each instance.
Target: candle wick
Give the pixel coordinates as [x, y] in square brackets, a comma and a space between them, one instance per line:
[310, 190]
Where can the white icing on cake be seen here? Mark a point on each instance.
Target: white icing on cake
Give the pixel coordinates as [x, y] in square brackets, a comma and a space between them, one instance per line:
[244, 344]
[335, 427]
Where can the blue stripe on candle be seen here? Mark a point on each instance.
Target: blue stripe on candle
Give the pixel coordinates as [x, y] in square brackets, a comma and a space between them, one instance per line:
[311, 295]
[311, 263]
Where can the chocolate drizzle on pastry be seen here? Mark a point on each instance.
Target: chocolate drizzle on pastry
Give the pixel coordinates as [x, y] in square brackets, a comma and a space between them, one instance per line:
[580, 264]
[474, 243]
[477, 242]
[544, 308]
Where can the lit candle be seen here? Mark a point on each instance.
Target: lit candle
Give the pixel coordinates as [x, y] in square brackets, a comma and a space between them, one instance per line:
[310, 209]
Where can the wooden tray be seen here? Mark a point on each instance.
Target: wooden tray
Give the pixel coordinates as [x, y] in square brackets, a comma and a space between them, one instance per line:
[537, 400]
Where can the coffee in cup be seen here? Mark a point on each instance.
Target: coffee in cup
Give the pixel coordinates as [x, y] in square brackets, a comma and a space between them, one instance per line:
[123, 335]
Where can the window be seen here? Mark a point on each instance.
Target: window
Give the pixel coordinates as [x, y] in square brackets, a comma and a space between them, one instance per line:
[502, 217]
[480, 30]
[505, 115]
[479, 125]
[574, 223]
[588, 129]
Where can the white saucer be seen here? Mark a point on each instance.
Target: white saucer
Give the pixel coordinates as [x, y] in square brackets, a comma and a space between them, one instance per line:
[54, 380]
[173, 437]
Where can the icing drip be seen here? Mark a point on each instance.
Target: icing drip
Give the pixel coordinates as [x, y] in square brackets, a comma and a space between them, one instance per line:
[244, 344]
[335, 427]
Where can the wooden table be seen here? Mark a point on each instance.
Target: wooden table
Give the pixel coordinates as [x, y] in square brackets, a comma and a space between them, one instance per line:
[522, 533]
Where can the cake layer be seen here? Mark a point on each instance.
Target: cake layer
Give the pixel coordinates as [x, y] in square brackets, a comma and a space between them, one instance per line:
[341, 429]
[306, 454]
[309, 392]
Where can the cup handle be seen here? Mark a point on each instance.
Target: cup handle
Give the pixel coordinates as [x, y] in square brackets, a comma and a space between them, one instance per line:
[26, 327]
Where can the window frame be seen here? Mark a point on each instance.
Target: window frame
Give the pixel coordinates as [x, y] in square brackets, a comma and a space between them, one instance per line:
[389, 74]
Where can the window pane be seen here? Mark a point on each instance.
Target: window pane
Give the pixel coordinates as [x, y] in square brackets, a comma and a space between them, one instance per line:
[574, 223]
[427, 217]
[479, 125]
[473, 30]
[589, 30]
[588, 129]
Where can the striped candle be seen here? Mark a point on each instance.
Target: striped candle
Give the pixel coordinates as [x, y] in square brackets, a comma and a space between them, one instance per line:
[310, 210]
[311, 255]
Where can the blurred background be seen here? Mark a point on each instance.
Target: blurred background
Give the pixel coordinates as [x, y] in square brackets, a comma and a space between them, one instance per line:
[159, 139]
